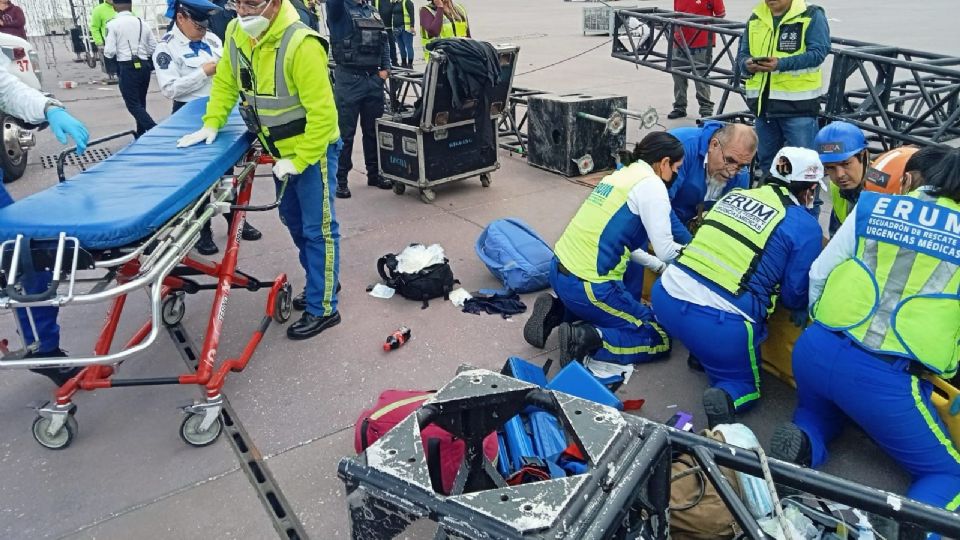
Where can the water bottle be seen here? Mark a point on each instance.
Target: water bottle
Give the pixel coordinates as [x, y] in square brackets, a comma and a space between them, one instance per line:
[397, 338]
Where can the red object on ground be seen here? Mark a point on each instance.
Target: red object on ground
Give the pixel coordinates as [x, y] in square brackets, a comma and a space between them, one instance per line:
[397, 338]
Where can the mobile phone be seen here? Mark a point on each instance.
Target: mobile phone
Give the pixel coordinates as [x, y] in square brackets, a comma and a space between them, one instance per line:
[760, 59]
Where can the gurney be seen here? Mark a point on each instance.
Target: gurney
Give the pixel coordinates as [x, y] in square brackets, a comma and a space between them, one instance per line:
[125, 225]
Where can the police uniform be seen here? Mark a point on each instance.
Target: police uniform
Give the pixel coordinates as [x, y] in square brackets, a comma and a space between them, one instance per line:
[179, 65]
[289, 104]
[753, 245]
[131, 42]
[361, 50]
[627, 210]
[885, 296]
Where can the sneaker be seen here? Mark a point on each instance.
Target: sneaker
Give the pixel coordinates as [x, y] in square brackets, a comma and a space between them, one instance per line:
[310, 325]
[547, 315]
[577, 340]
[59, 376]
[206, 246]
[676, 113]
[719, 407]
[789, 443]
[343, 192]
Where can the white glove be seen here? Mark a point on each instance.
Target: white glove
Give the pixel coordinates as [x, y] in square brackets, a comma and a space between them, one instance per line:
[284, 167]
[205, 134]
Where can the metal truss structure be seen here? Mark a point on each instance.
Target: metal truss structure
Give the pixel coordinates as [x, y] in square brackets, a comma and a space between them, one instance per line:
[624, 494]
[899, 96]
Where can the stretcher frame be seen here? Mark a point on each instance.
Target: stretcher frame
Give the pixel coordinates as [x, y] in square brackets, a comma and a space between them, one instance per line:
[161, 265]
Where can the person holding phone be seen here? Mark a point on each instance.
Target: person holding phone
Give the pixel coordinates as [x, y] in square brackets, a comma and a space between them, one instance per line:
[780, 57]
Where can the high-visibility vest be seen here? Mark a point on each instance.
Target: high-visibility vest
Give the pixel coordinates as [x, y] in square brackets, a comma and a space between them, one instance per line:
[900, 294]
[280, 115]
[841, 206]
[798, 85]
[407, 15]
[728, 245]
[597, 243]
[448, 30]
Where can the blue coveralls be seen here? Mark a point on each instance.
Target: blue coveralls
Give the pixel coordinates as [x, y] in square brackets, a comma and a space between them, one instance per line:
[690, 186]
[45, 317]
[727, 344]
[308, 211]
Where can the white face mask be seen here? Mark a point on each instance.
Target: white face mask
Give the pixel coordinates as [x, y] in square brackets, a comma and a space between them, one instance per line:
[254, 25]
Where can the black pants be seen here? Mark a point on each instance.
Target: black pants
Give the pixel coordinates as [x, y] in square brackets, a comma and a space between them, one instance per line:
[134, 84]
[358, 94]
[392, 38]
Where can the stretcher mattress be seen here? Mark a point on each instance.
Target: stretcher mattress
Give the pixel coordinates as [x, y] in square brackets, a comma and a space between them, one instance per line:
[131, 194]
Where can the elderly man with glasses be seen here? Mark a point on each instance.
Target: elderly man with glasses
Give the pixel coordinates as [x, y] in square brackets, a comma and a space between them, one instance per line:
[718, 159]
[276, 66]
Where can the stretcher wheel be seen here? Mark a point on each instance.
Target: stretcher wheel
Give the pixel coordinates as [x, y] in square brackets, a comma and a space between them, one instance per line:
[283, 304]
[399, 187]
[59, 440]
[485, 180]
[172, 309]
[428, 196]
[189, 431]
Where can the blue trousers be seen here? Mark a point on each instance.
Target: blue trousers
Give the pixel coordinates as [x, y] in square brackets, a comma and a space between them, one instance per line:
[727, 345]
[308, 212]
[836, 380]
[629, 332]
[405, 43]
[775, 133]
[44, 317]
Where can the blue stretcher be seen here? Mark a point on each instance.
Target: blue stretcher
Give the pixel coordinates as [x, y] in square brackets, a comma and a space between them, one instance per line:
[136, 191]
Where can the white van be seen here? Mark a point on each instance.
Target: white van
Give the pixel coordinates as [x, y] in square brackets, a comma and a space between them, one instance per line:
[20, 58]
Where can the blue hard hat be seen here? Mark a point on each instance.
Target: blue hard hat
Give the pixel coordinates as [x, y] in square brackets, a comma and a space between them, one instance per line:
[198, 10]
[838, 141]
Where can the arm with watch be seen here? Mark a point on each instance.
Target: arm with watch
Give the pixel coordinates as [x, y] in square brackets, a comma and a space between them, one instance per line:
[29, 105]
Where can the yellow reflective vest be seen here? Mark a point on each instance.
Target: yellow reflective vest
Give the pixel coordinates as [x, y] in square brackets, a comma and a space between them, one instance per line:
[449, 29]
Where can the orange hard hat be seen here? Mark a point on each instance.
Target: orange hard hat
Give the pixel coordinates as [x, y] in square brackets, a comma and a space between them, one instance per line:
[886, 172]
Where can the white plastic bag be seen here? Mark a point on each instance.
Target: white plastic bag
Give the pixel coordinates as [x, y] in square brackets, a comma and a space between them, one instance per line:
[416, 257]
[755, 493]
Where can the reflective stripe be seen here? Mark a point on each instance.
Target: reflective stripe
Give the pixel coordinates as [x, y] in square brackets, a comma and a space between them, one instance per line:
[330, 252]
[588, 289]
[802, 71]
[954, 503]
[396, 405]
[889, 297]
[931, 423]
[753, 94]
[753, 365]
[280, 88]
[714, 260]
[796, 96]
[642, 349]
[274, 120]
[282, 102]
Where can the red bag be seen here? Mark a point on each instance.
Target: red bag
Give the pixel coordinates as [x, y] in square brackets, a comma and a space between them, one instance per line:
[443, 451]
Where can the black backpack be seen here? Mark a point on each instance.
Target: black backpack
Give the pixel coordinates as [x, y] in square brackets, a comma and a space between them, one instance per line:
[433, 281]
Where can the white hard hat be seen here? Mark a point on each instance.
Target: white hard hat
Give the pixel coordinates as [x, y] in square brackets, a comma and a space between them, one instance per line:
[793, 164]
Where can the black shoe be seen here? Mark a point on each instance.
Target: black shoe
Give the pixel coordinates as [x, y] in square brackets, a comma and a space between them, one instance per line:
[676, 113]
[706, 114]
[789, 443]
[719, 407]
[694, 363]
[59, 376]
[577, 340]
[310, 325]
[343, 192]
[300, 300]
[206, 246]
[380, 182]
[547, 315]
[250, 233]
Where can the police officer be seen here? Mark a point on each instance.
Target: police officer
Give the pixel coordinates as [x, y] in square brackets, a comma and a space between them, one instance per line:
[884, 296]
[627, 210]
[362, 54]
[293, 114]
[753, 245]
[186, 59]
[130, 41]
[29, 105]
[843, 152]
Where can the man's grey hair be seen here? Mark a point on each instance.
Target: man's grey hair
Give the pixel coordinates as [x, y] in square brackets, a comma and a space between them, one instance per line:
[730, 133]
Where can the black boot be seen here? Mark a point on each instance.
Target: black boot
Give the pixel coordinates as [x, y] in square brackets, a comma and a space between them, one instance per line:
[343, 192]
[205, 245]
[300, 300]
[310, 325]
[719, 407]
[789, 443]
[547, 315]
[379, 182]
[59, 376]
[676, 113]
[250, 233]
[577, 340]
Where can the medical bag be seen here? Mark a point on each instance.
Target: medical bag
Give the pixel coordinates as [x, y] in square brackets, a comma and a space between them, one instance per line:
[515, 254]
[444, 452]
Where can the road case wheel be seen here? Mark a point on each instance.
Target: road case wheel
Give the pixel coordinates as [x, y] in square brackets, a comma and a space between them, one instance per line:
[172, 309]
[428, 196]
[283, 304]
[59, 440]
[189, 431]
[485, 180]
[399, 187]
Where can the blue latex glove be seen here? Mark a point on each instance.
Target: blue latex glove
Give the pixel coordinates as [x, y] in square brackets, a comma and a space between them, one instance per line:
[799, 318]
[63, 124]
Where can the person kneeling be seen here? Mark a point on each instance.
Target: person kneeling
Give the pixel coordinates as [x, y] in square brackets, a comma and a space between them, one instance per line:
[716, 297]
[628, 209]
